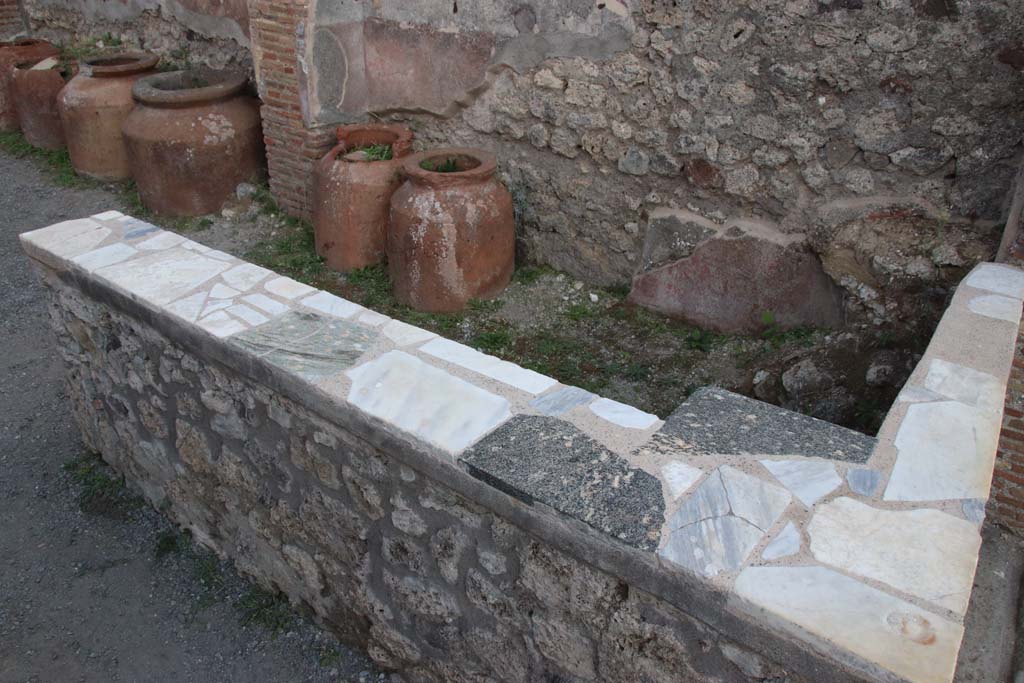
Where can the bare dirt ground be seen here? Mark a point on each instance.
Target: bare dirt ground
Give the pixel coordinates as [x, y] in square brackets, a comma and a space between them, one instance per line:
[110, 592]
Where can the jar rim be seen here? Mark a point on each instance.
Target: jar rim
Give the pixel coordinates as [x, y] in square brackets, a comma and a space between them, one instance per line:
[120, 64]
[481, 165]
[188, 87]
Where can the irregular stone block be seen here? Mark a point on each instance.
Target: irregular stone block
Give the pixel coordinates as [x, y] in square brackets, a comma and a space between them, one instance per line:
[926, 553]
[835, 610]
[718, 422]
[734, 285]
[544, 459]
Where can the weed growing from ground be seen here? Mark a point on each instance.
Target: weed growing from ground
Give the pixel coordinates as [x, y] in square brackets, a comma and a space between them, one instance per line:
[101, 491]
[272, 611]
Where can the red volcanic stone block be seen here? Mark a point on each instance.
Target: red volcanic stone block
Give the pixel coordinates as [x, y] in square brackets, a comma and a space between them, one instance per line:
[737, 285]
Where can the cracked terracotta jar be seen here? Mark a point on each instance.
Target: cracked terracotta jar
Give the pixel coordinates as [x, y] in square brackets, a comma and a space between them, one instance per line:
[35, 87]
[93, 107]
[451, 235]
[193, 138]
[15, 52]
[352, 188]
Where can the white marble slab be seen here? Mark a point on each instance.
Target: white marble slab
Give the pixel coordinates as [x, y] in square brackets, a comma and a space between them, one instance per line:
[105, 256]
[373, 318]
[213, 305]
[332, 305]
[220, 255]
[68, 239]
[161, 277]
[925, 553]
[1005, 280]
[786, 544]
[220, 291]
[808, 480]
[247, 314]
[966, 385]
[835, 610]
[220, 324]
[108, 215]
[489, 366]
[404, 334]
[188, 308]
[266, 304]
[622, 414]
[287, 288]
[946, 450]
[425, 401]
[245, 276]
[196, 246]
[996, 306]
[161, 241]
[680, 477]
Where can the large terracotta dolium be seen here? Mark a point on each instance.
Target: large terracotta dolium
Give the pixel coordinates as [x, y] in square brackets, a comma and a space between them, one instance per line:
[93, 107]
[35, 87]
[352, 194]
[451, 236]
[194, 136]
[15, 52]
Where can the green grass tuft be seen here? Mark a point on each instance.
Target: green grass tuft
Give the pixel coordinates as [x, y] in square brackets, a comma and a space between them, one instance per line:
[101, 491]
[269, 610]
[376, 152]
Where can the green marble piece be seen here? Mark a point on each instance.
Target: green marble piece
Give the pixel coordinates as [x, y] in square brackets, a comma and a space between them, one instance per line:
[307, 344]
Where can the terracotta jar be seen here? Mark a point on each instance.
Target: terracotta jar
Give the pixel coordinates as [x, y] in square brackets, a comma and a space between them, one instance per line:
[93, 107]
[194, 136]
[15, 52]
[451, 236]
[36, 86]
[352, 194]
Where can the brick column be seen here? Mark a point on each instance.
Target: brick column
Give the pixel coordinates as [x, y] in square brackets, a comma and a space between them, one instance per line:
[1006, 504]
[10, 19]
[291, 147]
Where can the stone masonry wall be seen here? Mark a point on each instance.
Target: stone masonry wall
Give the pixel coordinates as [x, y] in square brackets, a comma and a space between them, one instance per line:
[633, 133]
[387, 557]
[209, 32]
[11, 23]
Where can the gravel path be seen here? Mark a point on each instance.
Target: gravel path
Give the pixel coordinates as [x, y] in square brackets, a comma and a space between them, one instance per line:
[85, 596]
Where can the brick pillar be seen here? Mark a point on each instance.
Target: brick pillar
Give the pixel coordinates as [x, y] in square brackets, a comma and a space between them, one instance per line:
[291, 147]
[10, 19]
[1006, 504]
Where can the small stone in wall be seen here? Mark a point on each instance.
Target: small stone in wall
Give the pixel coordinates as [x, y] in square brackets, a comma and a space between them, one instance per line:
[634, 162]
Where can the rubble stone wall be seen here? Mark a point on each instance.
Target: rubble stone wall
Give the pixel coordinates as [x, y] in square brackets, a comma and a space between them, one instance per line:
[11, 22]
[389, 557]
[632, 133]
[207, 32]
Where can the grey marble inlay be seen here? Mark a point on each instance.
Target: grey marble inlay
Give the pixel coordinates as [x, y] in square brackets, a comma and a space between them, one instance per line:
[718, 526]
[974, 510]
[136, 229]
[562, 401]
[863, 481]
[306, 343]
[536, 458]
[718, 422]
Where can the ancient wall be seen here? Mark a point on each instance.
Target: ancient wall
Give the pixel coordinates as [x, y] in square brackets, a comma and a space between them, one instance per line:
[635, 135]
[11, 21]
[211, 32]
[466, 519]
